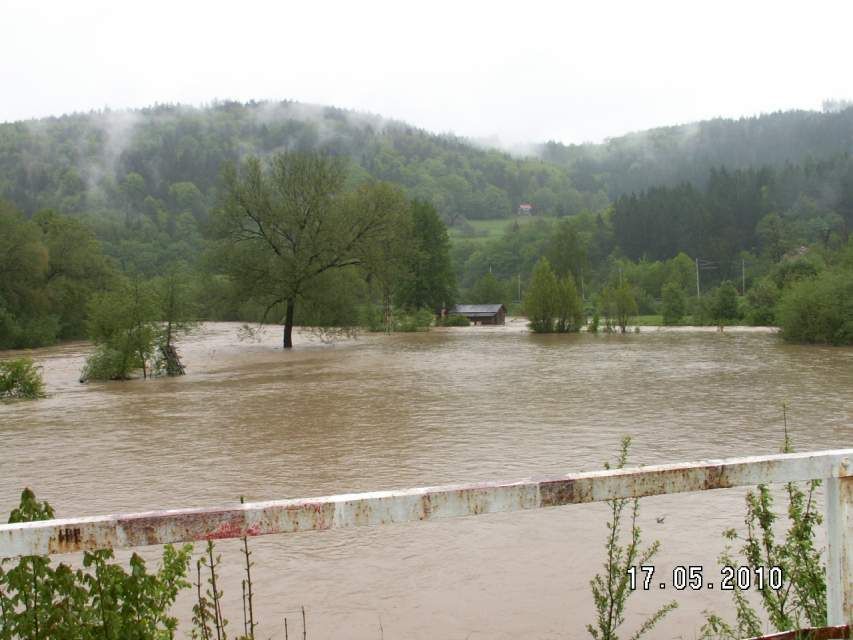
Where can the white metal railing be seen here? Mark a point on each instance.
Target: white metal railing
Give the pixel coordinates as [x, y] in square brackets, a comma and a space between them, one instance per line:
[428, 503]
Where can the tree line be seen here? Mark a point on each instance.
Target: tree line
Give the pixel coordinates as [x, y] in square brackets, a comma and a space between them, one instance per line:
[164, 162]
[289, 241]
[669, 156]
[140, 217]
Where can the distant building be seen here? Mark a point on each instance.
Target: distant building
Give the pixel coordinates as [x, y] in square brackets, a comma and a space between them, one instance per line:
[525, 209]
[481, 313]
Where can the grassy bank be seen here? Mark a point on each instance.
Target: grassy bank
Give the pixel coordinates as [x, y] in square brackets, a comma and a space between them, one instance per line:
[482, 230]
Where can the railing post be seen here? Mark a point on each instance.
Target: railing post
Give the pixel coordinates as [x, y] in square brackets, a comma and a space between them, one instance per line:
[839, 553]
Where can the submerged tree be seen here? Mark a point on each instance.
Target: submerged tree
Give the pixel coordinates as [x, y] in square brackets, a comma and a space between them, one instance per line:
[674, 303]
[552, 305]
[20, 378]
[433, 282]
[540, 300]
[123, 326]
[283, 225]
[386, 261]
[570, 316]
[619, 306]
[177, 312]
[724, 304]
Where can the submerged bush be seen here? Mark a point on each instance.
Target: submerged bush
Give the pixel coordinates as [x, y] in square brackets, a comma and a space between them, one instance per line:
[20, 378]
[674, 303]
[420, 320]
[123, 324]
[454, 321]
[819, 310]
[370, 318]
[108, 364]
[761, 303]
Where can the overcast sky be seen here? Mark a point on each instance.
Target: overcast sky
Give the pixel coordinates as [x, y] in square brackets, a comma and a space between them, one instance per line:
[520, 71]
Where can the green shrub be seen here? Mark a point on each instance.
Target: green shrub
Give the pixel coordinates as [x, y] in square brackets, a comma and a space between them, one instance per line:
[26, 332]
[123, 324]
[540, 300]
[611, 590]
[674, 304]
[420, 320]
[454, 321]
[619, 306]
[569, 307]
[800, 598]
[370, 318]
[20, 378]
[761, 303]
[102, 600]
[724, 304]
[592, 327]
[819, 310]
[107, 363]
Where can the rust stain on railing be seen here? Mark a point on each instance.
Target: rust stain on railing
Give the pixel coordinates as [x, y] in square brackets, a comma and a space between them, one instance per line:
[428, 503]
[818, 633]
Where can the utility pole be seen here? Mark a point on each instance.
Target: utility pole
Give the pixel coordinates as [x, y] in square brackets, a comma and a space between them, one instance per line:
[742, 277]
[519, 287]
[697, 278]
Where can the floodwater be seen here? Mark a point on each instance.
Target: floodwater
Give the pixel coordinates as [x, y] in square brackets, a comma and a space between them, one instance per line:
[452, 405]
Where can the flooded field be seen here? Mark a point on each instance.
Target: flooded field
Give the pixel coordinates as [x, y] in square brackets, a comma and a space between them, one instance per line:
[452, 405]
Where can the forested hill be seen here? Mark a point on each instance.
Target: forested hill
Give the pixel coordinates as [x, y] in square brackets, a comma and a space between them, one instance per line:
[168, 159]
[668, 156]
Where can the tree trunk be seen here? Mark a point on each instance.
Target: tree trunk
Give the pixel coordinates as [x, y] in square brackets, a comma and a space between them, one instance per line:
[387, 320]
[288, 324]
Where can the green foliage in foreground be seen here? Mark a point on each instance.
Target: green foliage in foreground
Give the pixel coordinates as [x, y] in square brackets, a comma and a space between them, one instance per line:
[20, 378]
[820, 309]
[800, 600]
[611, 590]
[100, 601]
[103, 601]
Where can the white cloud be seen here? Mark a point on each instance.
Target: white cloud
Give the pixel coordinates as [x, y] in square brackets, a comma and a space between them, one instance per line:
[522, 71]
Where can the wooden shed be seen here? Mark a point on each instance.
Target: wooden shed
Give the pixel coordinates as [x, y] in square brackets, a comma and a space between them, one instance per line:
[481, 313]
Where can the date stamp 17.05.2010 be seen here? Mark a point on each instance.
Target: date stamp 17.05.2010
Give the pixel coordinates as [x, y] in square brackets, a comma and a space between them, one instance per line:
[692, 577]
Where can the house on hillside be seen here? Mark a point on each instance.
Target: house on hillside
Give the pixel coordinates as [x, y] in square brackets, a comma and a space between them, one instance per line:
[480, 313]
[525, 209]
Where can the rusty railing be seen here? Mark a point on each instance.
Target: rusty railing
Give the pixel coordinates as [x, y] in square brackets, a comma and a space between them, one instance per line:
[429, 503]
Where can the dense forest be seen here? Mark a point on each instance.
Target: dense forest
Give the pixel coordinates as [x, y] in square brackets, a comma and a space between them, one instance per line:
[669, 156]
[167, 160]
[132, 203]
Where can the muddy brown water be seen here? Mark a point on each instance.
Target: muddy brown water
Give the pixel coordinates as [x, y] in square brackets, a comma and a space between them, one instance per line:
[453, 405]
